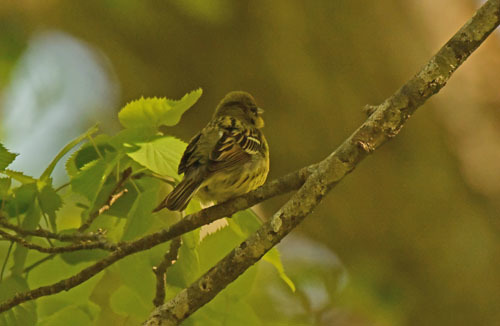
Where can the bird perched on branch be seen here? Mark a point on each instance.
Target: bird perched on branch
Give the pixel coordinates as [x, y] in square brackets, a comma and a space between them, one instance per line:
[227, 158]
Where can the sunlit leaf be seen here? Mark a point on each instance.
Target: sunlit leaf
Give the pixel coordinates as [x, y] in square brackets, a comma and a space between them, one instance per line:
[48, 171]
[245, 223]
[92, 176]
[126, 302]
[139, 218]
[187, 268]
[136, 272]
[24, 198]
[54, 270]
[124, 139]
[6, 157]
[74, 315]
[181, 106]
[229, 307]
[4, 186]
[30, 222]
[161, 156]
[122, 206]
[50, 202]
[88, 153]
[273, 257]
[154, 112]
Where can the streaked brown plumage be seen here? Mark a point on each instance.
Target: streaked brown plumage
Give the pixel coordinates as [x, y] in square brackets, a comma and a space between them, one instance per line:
[227, 158]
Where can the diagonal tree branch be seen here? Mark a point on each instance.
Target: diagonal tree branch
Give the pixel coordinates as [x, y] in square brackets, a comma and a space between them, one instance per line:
[385, 122]
[191, 222]
[480, 26]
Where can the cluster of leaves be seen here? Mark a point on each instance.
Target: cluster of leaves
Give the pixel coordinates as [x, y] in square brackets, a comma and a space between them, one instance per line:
[122, 294]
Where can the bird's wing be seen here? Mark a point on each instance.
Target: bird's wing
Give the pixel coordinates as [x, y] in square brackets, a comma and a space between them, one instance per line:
[188, 158]
[236, 145]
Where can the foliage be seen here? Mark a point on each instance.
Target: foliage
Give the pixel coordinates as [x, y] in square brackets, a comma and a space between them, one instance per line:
[122, 294]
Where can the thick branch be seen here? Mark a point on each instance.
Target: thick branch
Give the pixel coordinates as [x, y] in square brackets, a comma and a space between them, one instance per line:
[384, 123]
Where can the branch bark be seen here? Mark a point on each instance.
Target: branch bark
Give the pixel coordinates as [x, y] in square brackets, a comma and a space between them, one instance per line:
[191, 222]
[75, 237]
[385, 122]
[84, 245]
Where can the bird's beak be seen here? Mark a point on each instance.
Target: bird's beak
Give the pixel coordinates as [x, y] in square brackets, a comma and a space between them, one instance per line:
[260, 110]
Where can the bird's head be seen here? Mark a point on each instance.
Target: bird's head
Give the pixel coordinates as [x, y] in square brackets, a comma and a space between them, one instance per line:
[241, 105]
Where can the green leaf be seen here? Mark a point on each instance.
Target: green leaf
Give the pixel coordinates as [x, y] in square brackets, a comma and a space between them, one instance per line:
[22, 315]
[19, 176]
[140, 216]
[223, 312]
[93, 175]
[74, 315]
[122, 207]
[181, 106]
[88, 153]
[136, 273]
[6, 157]
[48, 171]
[50, 202]
[273, 257]
[187, 268]
[161, 155]
[247, 222]
[4, 186]
[126, 302]
[30, 222]
[154, 112]
[229, 307]
[24, 198]
[77, 257]
[127, 137]
[53, 271]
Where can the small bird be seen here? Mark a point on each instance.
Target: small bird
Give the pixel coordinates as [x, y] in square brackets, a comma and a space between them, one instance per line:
[227, 158]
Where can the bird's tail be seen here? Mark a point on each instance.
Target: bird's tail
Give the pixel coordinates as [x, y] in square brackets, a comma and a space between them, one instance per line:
[178, 199]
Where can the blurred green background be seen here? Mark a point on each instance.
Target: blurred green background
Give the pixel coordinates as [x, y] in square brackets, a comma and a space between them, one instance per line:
[409, 238]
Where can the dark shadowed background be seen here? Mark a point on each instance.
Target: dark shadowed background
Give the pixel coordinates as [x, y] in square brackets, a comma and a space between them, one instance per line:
[411, 237]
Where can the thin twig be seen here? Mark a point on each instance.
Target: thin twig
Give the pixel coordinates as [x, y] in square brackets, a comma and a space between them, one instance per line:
[160, 271]
[104, 245]
[115, 194]
[43, 233]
